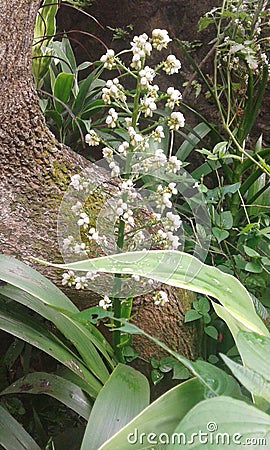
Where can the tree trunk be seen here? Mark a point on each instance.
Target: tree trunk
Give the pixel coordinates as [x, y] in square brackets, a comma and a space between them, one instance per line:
[36, 170]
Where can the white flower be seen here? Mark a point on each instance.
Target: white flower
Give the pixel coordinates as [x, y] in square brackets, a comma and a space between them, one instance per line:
[173, 165]
[76, 182]
[174, 221]
[152, 91]
[160, 298]
[160, 157]
[121, 207]
[92, 138]
[80, 282]
[107, 153]
[93, 235]
[128, 217]
[176, 121]
[172, 65]
[122, 149]
[105, 303]
[80, 248]
[141, 47]
[160, 39]
[68, 278]
[115, 169]
[174, 97]
[147, 75]
[128, 121]
[148, 105]
[113, 90]
[67, 242]
[172, 188]
[127, 185]
[136, 277]
[111, 119]
[135, 138]
[174, 241]
[84, 220]
[108, 59]
[91, 275]
[166, 199]
[76, 208]
[158, 134]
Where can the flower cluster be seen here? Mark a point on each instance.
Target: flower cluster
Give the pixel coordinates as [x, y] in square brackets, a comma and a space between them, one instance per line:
[92, 139]
[70, 279]
[138, 146]
[160, 298]
[113, 91]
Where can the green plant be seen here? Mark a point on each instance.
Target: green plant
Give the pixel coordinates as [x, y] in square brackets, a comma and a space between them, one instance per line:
[157, 264]
[41, 296]
[237, 161]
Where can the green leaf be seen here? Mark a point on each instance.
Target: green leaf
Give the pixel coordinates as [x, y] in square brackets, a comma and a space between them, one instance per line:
[124, 395]
[227, 220]
[62, 89]
[181, 270]
[211, 331]
[251, 252]
[220, 148]
[29, 280]
[38, 294]
[156, 376]
[250, 378]
[163, 415]
[216, 417]
[57, 387]
[20, 324]
[254, 350]
[204, 22]
[191, 315]
[253, 267]
[202, 305]
[192, 140]
[219, 234]
[12, 434]
[84, 88]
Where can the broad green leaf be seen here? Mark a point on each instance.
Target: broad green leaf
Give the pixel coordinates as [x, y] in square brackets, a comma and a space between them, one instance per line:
[191, 315]
[62, 89]
[163, 415]
[37, 293]
[20, 324]
[49, 384]
[124, 395]
[253, 267]
[215, 380]
[181, 270]
[251, 252]
[226, 423]
[12, 435]
[250, 378]
[255, 351]
[84, 337]
[21, 275]
[211, 331]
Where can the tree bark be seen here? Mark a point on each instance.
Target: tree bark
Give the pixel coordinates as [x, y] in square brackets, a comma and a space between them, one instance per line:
[35, 172]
